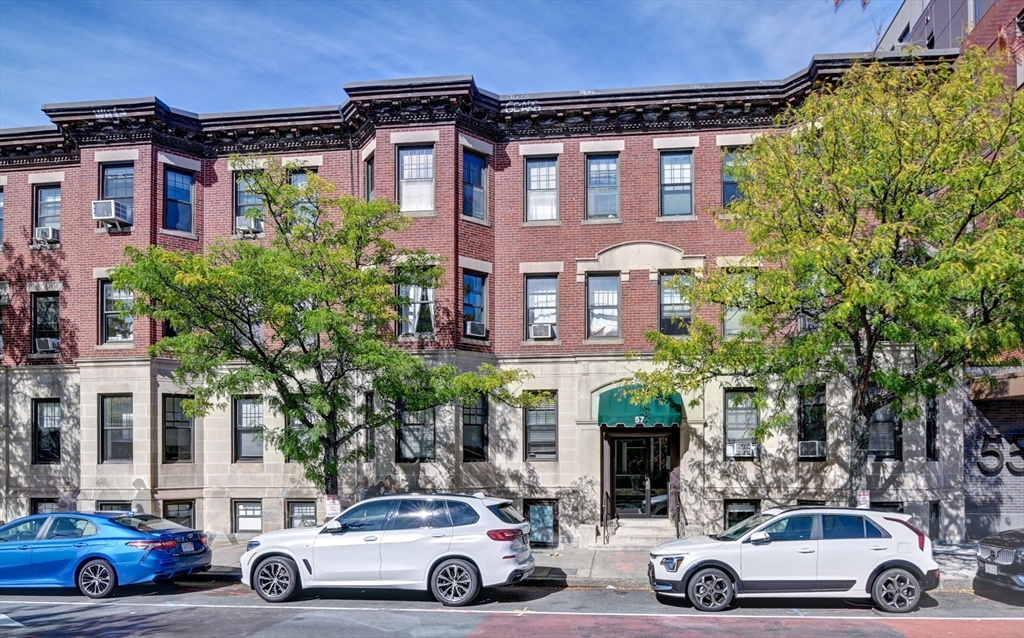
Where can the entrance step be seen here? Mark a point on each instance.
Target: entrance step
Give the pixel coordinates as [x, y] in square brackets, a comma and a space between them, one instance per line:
[641, 533]
[647, 523]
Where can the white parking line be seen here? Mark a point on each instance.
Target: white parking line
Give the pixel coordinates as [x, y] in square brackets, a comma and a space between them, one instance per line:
[505, 612]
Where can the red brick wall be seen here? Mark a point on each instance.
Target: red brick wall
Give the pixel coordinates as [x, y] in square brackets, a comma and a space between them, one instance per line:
[986, 33]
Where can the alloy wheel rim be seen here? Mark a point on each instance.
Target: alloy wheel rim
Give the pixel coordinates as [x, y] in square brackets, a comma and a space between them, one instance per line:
[96, 579]
[898, 591]
[711, 591]
[274, 579]
[454, 583]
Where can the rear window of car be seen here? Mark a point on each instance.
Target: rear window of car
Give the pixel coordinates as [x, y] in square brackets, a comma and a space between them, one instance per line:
[507, 513]
[149, 523]
[462, 513]
[836, 527]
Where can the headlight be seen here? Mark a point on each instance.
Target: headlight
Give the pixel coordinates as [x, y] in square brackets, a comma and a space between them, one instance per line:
[252, 545]
[672, 563]
[1020, 553]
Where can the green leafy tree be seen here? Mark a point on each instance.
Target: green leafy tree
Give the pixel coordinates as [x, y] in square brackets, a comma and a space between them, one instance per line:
[884, 219]
[304, 317]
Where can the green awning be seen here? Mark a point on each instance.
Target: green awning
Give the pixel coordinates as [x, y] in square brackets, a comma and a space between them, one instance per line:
[615, 410]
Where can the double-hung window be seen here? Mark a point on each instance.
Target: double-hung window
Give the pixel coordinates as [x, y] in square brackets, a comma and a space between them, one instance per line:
[181, 512]
[248, 424]
[247, 203]
[730, 186]
[811, 435]
[676, 184]
[473, 305]
[117, 327]
[304, 208]
[541, 422]
[474, 185]
[48, 206]
[116, 419]
[734, 318]
[248, 516]
[541, 189]
[118, 185]
[541, 307]
[674, 313]
[45, 317]
[416, 436]
[371, 179]
[177, 431]
[301, 514]
[931, 429]
[884, 434]
[179, 191]
[46, 431]
[741, 419]
[603, 306]
[474, 430]
[602, 187]
[1, 217]
[416, 179]
[417, 311]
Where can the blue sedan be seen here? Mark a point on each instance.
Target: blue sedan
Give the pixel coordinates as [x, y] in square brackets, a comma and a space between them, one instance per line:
[97, 552]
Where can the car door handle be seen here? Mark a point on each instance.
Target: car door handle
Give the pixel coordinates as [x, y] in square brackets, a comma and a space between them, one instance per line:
[25, 547]
[369, 538]
[439, 535]
[805, 550]
[81, 544]
[878, 548]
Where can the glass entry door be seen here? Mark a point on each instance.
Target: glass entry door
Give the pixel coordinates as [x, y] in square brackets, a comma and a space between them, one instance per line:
[641, 472]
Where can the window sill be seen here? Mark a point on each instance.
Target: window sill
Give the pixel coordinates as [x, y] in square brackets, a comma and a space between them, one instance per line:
[116, 346]
[248, 461]
[601, 220]
[117, 462]
[35, 356]
[475, 342]
[742, 459]
[813, 459]
[539, 223]
[178, 233]
[551, 460]
[420, 213]
[413, 338]
[35, 246]
[600, 341]
[166, 462]
[107, 230]
[725, 217]
[676, 218]
[413, 461]
[238, 236]
[542, 342]
[474, 220]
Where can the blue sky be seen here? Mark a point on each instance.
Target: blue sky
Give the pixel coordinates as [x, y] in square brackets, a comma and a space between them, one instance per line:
[207, 56]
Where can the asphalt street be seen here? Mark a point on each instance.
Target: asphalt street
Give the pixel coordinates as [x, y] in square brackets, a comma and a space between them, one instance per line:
[229, 609]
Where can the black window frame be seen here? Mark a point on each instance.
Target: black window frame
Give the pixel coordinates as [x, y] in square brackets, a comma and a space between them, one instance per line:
[406, 425]
[665, 187]
[289, 503]
[730, 185]
[592, 308]
[543, 502]
[166, 427]
[400, 181]
[36, 503]
[36, 297]
[241, 199]
[108, 316]
[234, 514]
[527, 189]
[191, 200]
[528, 308]
[237, 432]
[106, 429]
[931, 428]
[730, 405]
[113, 506]
[468, 186]
[370, 176]
[190, 504]
[756, 502]
[38, 203]
[593, 188]
[38, 458]
[897, 425]
[667, 325]
[893, 507]
[479, 311]
[812, 417]
[548, 406]
[475, 416]
[128, 202]
[935, 520]
[1, 217]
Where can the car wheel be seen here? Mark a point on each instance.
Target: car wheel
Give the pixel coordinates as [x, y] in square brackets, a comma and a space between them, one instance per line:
[710, 589]
[896, 591]
[455, 582]
[276, 579]
[97, 579]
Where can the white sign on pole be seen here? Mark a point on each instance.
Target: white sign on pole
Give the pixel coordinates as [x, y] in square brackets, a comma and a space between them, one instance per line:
[333, 506]
[863, 499]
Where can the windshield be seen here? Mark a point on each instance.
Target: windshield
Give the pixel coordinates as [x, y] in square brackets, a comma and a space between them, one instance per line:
[744, 526]
[149, 523]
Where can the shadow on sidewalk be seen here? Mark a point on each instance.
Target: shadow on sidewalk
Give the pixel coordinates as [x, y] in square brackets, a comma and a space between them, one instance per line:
[490, 595]
[927, 602]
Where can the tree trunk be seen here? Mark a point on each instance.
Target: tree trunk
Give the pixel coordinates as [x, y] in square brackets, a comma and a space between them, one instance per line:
[330, 466]
[860, 434]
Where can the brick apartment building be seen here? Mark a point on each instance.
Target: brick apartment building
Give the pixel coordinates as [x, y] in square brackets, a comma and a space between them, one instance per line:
[558, 218]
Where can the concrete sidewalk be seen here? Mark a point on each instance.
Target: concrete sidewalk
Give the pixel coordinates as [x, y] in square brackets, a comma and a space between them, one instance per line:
[621, 569]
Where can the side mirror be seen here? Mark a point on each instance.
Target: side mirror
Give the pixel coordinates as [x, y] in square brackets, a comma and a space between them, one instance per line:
[760, 538]
[334, 527]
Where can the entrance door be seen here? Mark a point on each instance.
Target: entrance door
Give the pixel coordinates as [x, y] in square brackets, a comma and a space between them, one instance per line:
[641, 472]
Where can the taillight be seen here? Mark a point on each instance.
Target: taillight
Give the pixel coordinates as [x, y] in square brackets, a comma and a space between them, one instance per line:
[202, 539]
[505, 534]
[151, 545]
[920, 534]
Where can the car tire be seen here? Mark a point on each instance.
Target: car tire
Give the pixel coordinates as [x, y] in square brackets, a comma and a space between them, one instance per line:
[896, 591]
[455, 583]
[710, 589]
[276, 579]
[97, 579]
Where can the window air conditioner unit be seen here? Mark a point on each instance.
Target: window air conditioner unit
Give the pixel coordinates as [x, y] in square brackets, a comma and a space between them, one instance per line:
[741, 450]
[811, 449]
[248, 225]
[47, 235]
[542, 331]
[47, 345]
[110, 213]
[476, 329]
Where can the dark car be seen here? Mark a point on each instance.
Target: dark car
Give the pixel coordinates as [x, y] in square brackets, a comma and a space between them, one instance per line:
[1001, 561]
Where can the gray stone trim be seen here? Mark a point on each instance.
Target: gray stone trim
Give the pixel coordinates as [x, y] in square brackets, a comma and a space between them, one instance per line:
[129, 155]
[46, 178]
[554, 148]
[179, 161]
[603, 146]
[477, 265]
[45, 286]
[415, 137]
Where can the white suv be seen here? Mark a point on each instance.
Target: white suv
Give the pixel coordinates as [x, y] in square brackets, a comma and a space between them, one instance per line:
[451, 544]
[805, 552]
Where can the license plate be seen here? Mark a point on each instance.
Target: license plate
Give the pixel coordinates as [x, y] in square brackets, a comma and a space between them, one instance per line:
[188, 547]
[991, 569]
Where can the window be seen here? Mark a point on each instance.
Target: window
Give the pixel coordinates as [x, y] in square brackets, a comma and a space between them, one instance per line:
[304, 208]
[48, 206]
[181, 512]
[931, 429]
[733, 318]
[543, 517]
[370, 440]
[44, 505]
[416, 514]
[794, 528]
[674, 314]
[676, 184]
[371, 180]
[114, 506]
[930, 43]
[473, 305]
[245, 199]
[603, 306]
[367, 517]
[117, 327]
[178, 193]
[809, 501]
[739, 511]
[418, 313]
[416, 178]
[26, 531]
[118, 184]
[474, 185]
[416, 436]
[884, 437]
[177, 431]
[1, 217]
[474, 430]
[935, 520]
[741, 419]
[845, 526]
[541, 305]
[603, 187]
[541, 189]
[248, 516]
[462, 513]
[46, 415]
[896, 507]
[117, 418]
[68, 527]
[811, 422]
[248, 423]
[542, 430]
[45, 317]
[904, 34]
[301, 513]
[730, 187]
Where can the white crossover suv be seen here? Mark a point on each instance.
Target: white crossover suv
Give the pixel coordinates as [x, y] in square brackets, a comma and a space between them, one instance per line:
[805, 552]
[450, 544]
